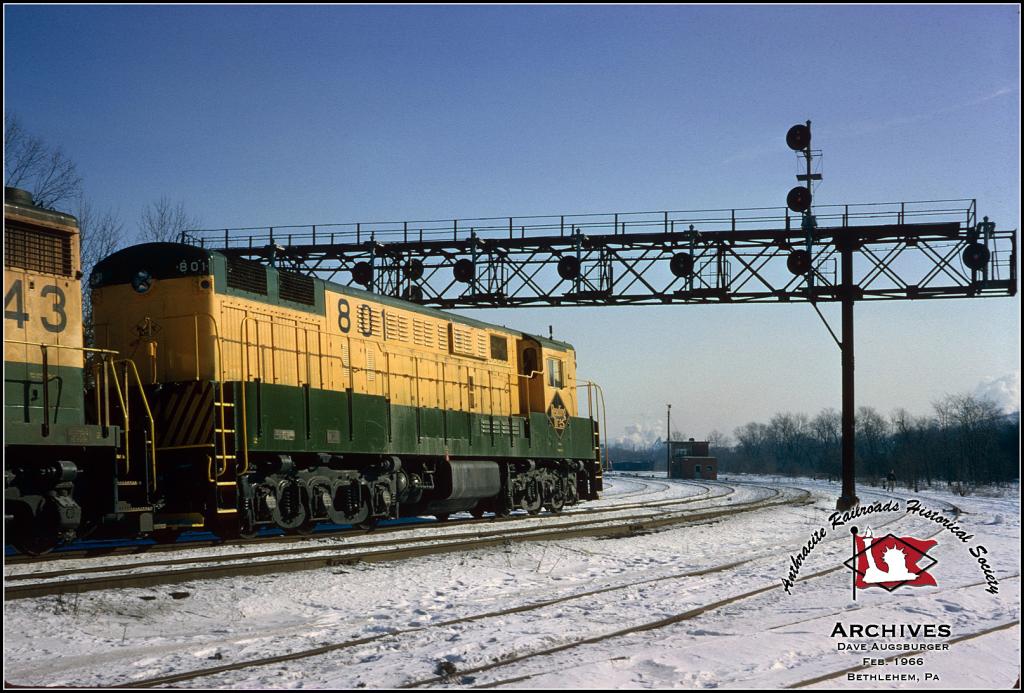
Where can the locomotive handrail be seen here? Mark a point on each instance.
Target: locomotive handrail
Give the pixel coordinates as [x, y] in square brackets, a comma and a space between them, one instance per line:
[218, 365]
[149, 415]
[126, 416]
[386, 374]
[219, 369]
[46, 372]
[604, 415]
[61, 346]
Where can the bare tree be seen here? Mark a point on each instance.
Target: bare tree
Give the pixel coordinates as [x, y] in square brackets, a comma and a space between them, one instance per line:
[718, 440]
[826, 428]
[32, 164]
[163, 221]
[100, 234]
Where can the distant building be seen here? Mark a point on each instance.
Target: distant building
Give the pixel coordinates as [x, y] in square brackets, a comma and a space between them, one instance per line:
[690, 459]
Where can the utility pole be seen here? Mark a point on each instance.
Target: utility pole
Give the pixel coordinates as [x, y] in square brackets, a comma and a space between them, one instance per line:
[668, 439]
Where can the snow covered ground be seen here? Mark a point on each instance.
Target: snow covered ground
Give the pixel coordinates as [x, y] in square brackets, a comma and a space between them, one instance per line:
[712, 595]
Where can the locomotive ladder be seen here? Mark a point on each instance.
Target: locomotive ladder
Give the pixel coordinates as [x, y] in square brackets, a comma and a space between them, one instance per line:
[223, 470]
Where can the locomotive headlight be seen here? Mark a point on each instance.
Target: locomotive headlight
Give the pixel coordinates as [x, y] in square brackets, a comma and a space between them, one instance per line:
[142, 282]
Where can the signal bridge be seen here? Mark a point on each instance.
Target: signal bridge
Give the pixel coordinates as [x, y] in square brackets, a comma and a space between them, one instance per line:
[904, 250]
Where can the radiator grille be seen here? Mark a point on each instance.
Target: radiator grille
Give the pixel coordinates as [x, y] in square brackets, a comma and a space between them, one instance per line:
[247, 275]
[37, 250]
[296, 287]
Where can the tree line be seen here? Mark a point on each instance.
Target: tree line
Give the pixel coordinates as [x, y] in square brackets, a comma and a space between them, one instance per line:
[965, 441]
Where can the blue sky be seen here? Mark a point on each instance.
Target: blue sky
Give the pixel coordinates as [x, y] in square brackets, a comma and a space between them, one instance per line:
[292, 115]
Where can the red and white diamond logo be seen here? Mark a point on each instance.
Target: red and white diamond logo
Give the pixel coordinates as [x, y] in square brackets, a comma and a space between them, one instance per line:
[891, 562]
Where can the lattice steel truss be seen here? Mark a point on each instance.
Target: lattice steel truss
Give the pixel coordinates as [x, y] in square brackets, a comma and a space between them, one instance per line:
[907, 250]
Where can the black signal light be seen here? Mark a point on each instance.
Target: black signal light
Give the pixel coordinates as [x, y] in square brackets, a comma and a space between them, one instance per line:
[976, 256]
[362, 273]
[464, 270]
[799, 262]
[569, 267]
[681, 264]
[799, 137]
[799, 199]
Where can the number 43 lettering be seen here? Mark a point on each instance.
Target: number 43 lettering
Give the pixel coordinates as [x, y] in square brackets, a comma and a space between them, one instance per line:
[16, 296]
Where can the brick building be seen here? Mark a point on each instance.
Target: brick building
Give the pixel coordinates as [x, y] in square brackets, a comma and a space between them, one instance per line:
[690, 459]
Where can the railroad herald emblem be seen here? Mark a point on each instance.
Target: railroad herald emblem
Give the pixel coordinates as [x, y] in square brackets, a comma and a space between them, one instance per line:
[891, 562]
[558, 414]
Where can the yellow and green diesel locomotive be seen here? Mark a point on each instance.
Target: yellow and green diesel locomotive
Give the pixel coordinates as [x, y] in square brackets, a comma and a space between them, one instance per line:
[276, 399]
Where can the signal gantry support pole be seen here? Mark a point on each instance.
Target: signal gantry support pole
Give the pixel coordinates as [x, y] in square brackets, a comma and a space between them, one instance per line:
[848, 499]
[668, 441]
[800, 200]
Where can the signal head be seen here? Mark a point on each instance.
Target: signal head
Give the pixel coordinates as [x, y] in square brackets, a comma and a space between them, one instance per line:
[362, 273]
[464, 270]
[799, 262]
[799, 199]
[976, 256]
[799, 137]
[569, 267]
[681, 264]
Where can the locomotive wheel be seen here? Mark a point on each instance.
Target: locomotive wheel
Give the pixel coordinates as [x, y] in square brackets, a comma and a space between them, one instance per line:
[32, 536]
[556, 502]
[36, 545]
[247, 531]
[442, 517]
[303, 530]
[477, 512]
[86, 529]
[533, 507]
[369, 524]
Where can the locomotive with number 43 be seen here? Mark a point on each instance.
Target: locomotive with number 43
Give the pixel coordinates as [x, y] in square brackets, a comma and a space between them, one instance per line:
[230, 395]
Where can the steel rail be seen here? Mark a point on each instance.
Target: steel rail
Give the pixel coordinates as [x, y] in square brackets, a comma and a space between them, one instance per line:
[623, 527]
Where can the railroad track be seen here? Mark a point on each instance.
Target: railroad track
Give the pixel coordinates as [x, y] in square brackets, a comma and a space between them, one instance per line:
[309, 558]
[427, 525]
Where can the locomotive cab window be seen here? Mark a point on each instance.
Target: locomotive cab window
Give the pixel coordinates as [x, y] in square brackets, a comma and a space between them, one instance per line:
[554, 368]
